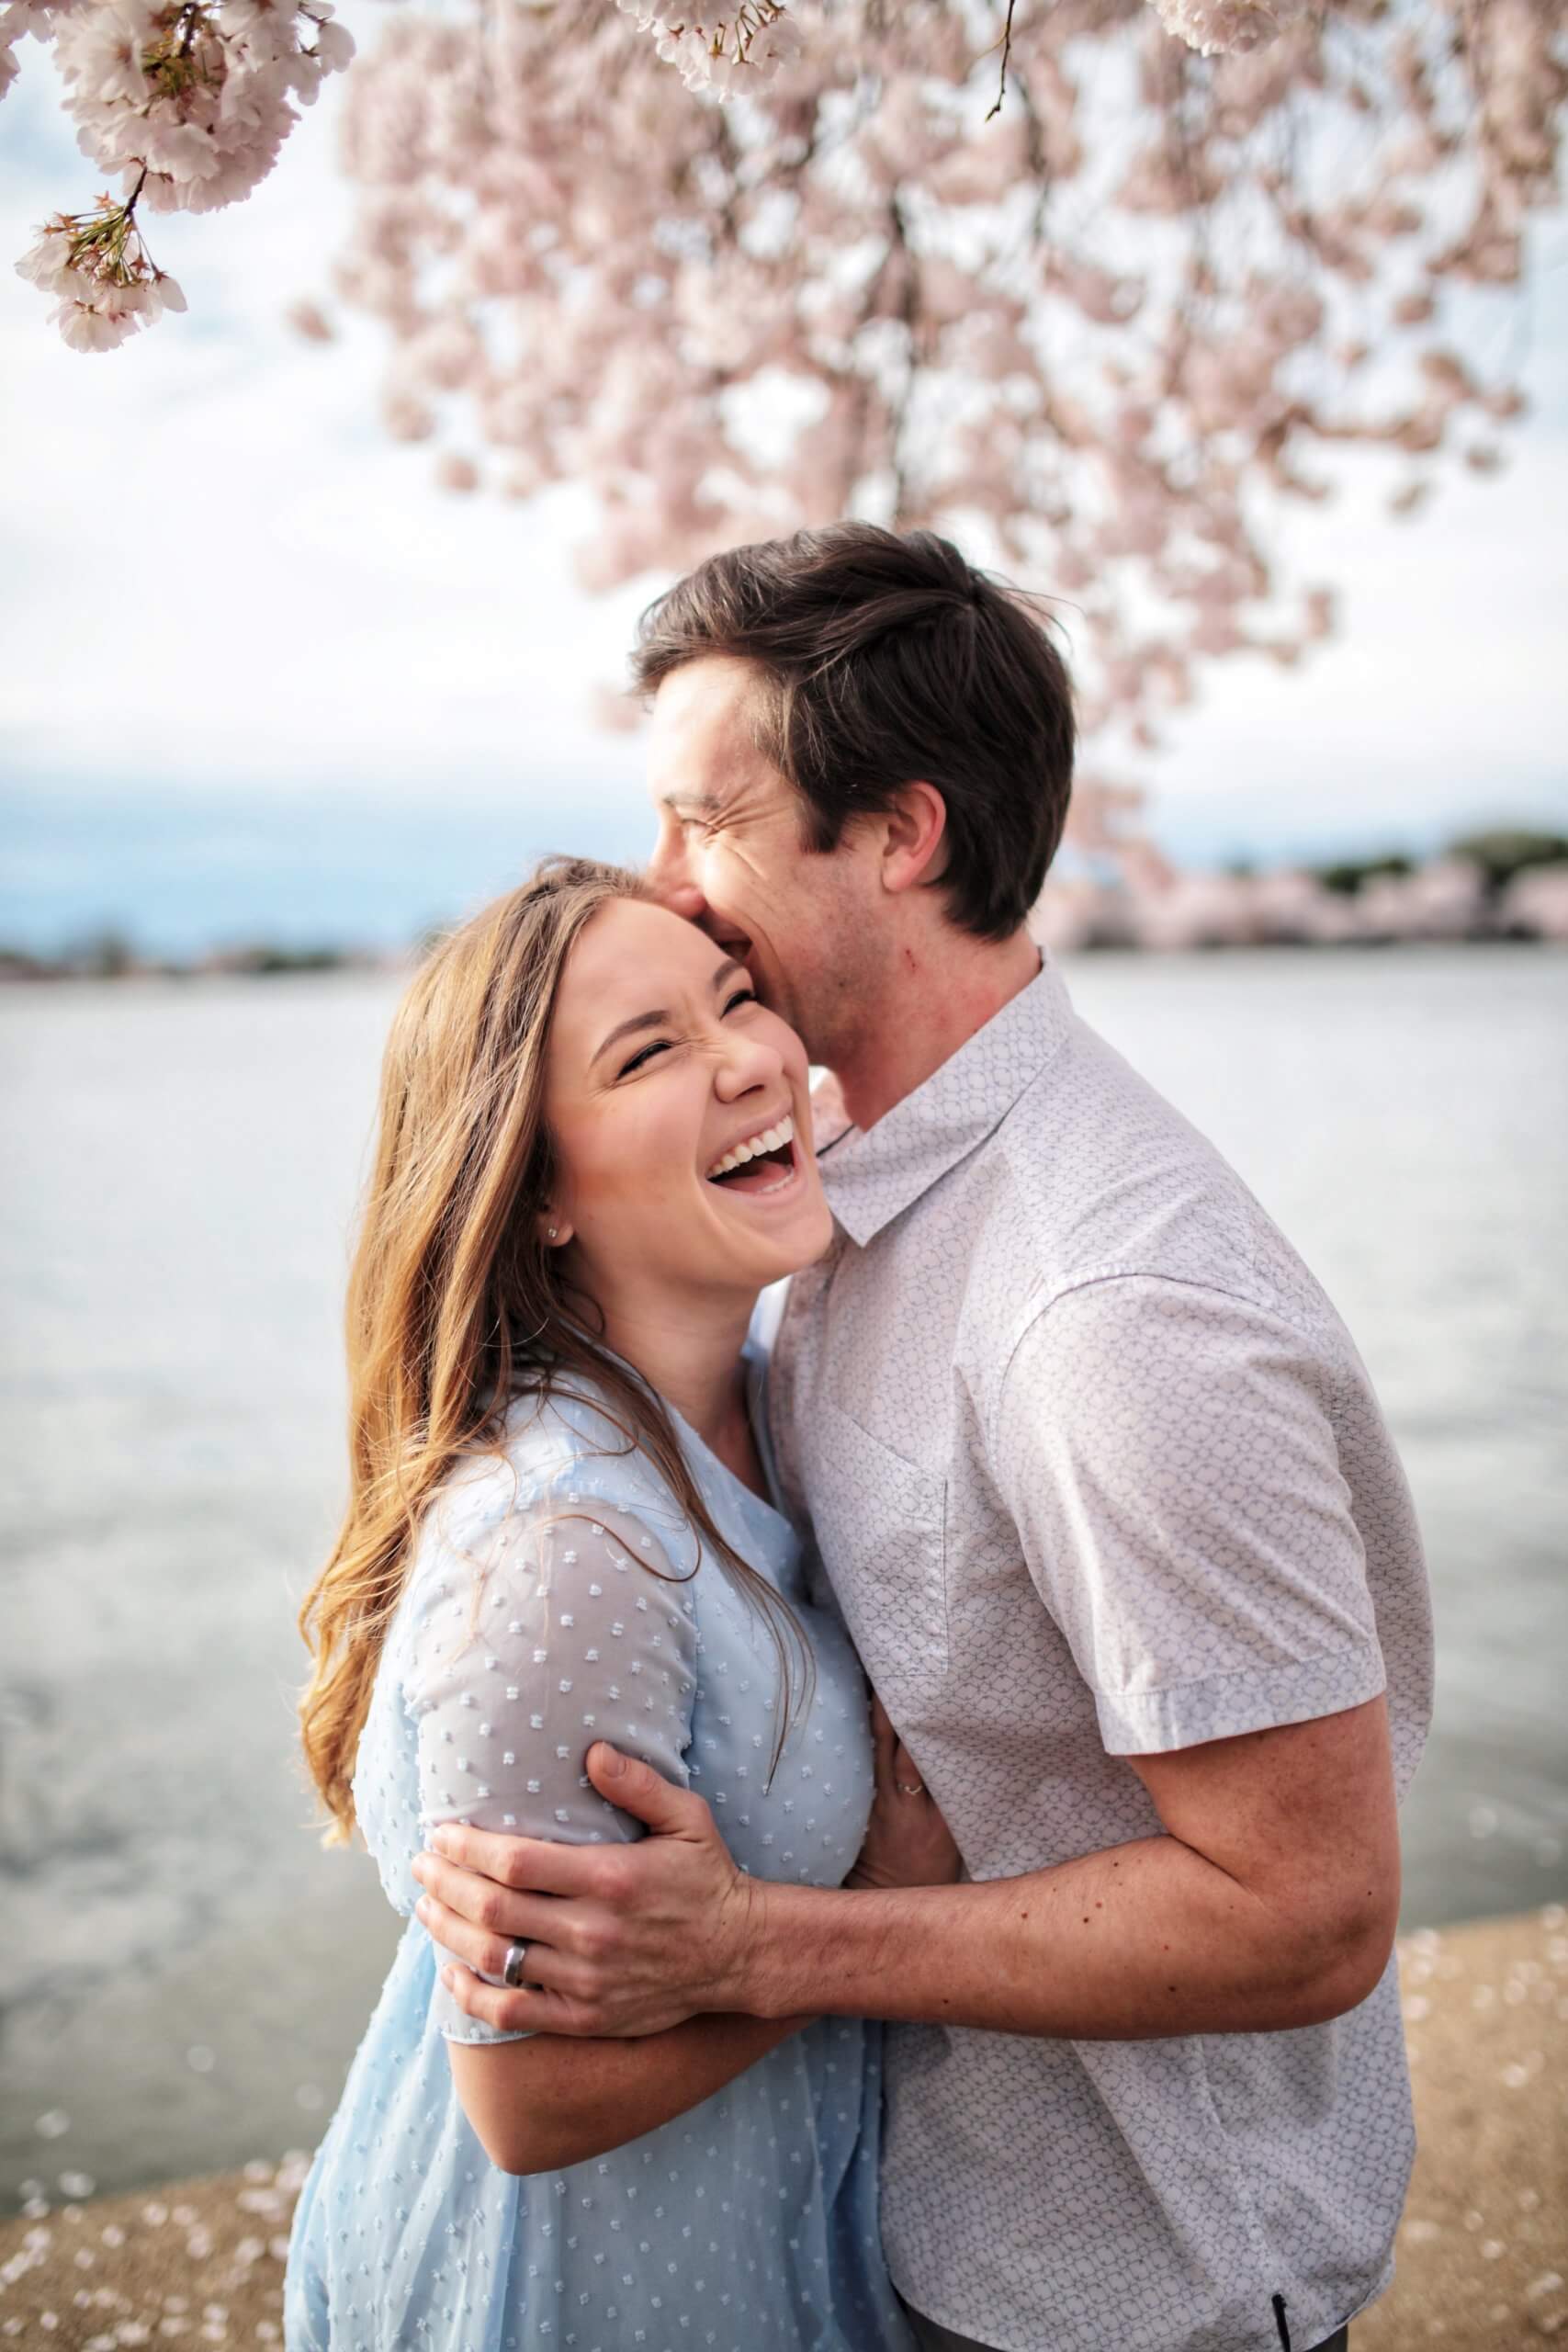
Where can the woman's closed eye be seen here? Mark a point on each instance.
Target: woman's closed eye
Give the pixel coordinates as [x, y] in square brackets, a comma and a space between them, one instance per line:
[660, 1045]
[663, 1045]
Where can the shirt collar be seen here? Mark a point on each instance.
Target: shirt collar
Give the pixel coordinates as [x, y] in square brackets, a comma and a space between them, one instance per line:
[872, 1175]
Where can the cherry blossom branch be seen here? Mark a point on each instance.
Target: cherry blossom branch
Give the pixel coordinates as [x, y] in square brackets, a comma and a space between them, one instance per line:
[1101, 335]
[189, 102]
[1100, 331]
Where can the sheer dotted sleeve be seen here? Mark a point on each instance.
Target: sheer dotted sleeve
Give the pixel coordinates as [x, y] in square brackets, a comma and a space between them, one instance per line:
[554, 1630]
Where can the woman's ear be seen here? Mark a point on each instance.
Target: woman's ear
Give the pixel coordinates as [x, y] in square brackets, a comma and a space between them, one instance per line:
[914, 846]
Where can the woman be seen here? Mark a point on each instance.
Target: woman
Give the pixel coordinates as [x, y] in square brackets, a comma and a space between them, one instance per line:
[592, 1155]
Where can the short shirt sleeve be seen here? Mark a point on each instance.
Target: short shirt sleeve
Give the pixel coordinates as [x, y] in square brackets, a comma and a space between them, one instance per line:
[547, 1630]
[1168, 1452]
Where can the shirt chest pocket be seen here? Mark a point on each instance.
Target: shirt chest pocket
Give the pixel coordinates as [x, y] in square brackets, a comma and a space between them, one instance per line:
[881, 1527]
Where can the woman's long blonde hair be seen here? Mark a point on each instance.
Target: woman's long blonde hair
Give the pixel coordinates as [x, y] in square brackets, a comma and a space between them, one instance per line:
[454, 1301]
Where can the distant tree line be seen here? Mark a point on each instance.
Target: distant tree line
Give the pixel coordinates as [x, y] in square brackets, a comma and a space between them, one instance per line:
[1501, 852]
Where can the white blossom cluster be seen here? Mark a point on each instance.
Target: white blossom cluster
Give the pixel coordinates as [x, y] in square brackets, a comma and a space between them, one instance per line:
[730, 53]
[724, 55]
[1101, 332]
[105, 283]
[1222, 27]
[1094, 283]
[188, 102]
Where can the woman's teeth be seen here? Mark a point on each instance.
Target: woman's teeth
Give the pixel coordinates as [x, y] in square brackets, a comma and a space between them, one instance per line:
[770, 1139]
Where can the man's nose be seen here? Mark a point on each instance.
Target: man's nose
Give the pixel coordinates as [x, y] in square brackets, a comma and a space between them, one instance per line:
[671, 883]
[681, 898]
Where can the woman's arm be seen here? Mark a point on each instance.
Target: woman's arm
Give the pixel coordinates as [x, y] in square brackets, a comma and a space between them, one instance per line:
[540, 2104]
[546, 1626]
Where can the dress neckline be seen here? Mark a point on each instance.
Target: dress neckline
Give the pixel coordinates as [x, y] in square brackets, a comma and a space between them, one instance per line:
[754, 1367]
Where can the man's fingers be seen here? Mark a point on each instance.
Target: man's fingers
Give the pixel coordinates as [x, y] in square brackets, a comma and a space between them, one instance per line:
[638, 1790]
[523, 2011]
[485, 1955]
[538, 1864]
[476, 1947]
[566, 1947]
[503, 1910]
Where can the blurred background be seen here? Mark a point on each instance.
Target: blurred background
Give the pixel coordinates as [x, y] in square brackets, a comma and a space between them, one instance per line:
[273, 704]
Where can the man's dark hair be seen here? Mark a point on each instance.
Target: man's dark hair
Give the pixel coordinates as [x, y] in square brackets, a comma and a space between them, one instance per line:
[885, 658]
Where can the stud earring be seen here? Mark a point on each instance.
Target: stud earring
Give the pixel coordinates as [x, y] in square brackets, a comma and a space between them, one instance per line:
[552, 1233]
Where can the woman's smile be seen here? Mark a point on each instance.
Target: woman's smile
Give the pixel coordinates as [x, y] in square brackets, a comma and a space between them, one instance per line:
[763, 1165]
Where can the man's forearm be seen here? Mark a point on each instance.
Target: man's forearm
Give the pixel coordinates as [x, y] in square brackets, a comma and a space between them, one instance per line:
[1268, 1903]
[1138, 1942]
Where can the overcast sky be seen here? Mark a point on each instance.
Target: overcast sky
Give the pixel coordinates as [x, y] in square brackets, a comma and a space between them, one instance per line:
[228, 607]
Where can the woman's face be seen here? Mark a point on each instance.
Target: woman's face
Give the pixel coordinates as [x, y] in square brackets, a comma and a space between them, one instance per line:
[663, 1067]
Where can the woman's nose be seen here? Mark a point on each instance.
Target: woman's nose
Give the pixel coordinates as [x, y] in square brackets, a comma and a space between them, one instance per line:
[744, 1064]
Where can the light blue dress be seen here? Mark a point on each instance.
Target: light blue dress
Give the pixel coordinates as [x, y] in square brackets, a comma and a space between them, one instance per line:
[546, 1607]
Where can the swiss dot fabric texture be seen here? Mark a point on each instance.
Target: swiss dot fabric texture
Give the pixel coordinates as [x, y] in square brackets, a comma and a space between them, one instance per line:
[1095, 1471]
[556, 1598]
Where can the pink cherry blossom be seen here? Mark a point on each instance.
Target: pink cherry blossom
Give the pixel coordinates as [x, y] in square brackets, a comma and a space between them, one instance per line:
[1095, 283]
[48, 264]
[188, 102]
[1216, 26]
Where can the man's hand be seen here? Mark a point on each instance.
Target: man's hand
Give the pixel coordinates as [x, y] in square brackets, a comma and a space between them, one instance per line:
[622, 1940]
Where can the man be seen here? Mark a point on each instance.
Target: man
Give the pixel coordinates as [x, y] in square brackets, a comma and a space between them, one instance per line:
[1109, 1506]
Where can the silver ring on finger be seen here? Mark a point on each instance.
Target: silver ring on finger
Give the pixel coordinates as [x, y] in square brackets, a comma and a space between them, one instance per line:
[513, 1973]
[911, 1788]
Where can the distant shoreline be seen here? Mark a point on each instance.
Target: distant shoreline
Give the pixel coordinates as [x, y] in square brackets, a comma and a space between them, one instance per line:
[267, 964]
[1508, 884]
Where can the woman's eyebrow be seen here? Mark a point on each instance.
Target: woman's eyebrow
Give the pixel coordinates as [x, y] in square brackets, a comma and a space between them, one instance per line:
[660, 1016]
[654, 1020]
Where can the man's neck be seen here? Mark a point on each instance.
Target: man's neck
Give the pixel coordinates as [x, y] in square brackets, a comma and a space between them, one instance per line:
[938, 995]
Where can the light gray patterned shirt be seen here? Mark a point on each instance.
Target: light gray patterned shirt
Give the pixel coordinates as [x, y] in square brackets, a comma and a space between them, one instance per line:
[1095, 1471]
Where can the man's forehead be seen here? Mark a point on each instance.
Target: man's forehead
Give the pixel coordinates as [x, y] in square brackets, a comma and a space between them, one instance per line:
[703, 737]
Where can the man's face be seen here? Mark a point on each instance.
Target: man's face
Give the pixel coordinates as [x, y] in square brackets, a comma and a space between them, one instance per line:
[731, 857]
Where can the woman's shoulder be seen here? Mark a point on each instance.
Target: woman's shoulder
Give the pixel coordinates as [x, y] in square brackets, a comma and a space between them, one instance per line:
[556, 1455]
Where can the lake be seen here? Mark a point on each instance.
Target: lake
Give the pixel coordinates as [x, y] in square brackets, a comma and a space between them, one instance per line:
[185, 1972]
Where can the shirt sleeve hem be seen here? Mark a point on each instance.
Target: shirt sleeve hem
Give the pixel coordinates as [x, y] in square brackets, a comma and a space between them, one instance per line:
[1150, 1723]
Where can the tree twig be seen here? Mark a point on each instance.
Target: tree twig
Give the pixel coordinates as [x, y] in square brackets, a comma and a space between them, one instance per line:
[1007, 53]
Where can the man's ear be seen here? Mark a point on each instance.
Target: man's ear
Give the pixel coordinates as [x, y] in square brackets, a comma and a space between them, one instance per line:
[914, 837]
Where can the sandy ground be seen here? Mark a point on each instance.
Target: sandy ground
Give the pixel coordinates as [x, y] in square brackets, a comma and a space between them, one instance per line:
[1483, 2250]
